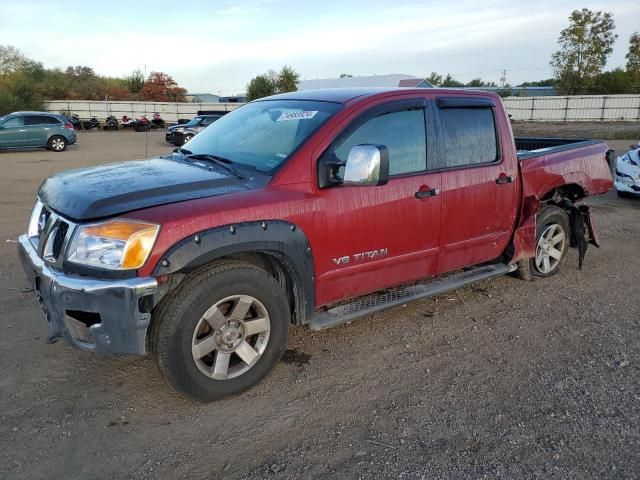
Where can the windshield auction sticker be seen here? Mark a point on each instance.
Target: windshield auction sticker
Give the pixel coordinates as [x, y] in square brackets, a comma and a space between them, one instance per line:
[302, 115]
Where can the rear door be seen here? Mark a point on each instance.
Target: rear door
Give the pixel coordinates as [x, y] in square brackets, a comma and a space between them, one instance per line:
[382, 236]
[479, 194]
[38, 128]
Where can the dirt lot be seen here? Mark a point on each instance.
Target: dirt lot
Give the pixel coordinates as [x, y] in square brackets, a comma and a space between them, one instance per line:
[506, 379]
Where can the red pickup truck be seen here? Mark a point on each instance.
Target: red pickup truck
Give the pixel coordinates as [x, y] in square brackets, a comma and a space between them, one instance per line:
[310, 208]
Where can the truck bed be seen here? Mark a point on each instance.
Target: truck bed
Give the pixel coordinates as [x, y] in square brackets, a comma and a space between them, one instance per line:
[548, 163]
[530, 147]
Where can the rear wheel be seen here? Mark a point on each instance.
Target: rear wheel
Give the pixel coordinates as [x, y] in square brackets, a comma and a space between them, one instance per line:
[222, 331]
[57, 143]
[552, 242]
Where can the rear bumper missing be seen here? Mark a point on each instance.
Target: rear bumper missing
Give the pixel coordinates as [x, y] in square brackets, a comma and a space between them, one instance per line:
[102, 316]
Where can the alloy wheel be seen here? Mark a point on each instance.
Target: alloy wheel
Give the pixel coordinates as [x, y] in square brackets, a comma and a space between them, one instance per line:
[230, 337]
[550, 248]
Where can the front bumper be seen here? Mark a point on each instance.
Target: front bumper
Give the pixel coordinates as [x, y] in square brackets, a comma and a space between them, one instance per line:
[91, 314]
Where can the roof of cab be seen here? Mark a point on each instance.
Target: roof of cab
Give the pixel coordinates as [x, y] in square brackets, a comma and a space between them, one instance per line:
[345, 95]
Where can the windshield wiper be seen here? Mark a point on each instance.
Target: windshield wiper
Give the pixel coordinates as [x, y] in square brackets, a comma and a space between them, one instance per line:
[218, 160]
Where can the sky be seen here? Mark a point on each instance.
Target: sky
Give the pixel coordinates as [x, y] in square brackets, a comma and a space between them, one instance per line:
[218, 46]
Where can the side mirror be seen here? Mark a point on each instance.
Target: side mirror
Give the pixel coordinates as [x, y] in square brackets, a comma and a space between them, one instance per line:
[367, 166]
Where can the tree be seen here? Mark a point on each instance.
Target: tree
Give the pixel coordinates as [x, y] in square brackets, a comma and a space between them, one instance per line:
[633, 56]
[287, 80]
[449, 81]
[11, 59]
[160, 87]
[550, 82]
[585, 46]
[260, 86]
[135, 82]
[434, 79]
[273, 82]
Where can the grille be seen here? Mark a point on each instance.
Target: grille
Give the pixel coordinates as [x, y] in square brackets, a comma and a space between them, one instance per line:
[53, 234]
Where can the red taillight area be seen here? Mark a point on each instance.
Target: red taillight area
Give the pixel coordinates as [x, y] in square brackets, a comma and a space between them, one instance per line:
[69, 126]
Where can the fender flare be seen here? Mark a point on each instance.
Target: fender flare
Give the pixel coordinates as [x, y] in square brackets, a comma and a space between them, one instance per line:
[283, 240]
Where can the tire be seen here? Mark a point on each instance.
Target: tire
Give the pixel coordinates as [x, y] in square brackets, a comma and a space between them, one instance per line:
[180, 328]
[552, 223]
[57, 143]
[186, 138]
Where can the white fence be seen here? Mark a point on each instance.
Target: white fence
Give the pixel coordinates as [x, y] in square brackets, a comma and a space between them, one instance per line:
[588, 108]
[170, 112]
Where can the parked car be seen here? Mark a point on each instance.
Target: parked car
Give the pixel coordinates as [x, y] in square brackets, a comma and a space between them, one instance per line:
[627, 177]
[36, 129]
[182, 133]
[309, 208]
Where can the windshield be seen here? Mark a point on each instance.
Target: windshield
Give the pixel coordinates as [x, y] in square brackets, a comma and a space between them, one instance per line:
[262, 135]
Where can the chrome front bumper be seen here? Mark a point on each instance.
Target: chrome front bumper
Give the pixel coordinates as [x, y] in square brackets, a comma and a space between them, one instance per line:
[91, 314]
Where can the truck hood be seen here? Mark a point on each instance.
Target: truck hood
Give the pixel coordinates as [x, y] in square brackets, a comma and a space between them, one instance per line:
[113, 189]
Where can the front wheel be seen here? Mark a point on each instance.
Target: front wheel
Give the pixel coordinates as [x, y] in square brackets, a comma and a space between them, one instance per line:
[57, 143]
[186, 138]
[552, 242]
[222, 331]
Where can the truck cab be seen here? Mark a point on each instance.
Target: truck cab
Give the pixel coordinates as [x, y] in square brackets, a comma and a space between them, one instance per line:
[311, 208]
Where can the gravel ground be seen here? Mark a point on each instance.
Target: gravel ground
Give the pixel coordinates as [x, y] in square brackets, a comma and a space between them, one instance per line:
[505, 379]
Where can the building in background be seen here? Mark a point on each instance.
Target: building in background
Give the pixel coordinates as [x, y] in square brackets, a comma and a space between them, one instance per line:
[233, 99]
[202, 98]
[386, 81]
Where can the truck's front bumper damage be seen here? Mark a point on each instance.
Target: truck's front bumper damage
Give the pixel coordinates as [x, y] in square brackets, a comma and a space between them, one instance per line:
[105, 316]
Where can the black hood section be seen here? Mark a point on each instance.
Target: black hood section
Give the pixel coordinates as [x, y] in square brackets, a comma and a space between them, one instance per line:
[112, 189]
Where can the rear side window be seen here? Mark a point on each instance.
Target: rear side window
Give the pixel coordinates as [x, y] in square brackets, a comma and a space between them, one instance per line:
[469, 137]
[35, 120]
[208, 121]
[401, 131]
[52, 120]
[14, 122]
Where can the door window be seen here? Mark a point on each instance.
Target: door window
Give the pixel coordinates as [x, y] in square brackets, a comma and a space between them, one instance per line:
[401, 131]
[35, 120]
[14, 122]
[469, 137]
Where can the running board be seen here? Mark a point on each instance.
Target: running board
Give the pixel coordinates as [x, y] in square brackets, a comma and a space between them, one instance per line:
[393, 297]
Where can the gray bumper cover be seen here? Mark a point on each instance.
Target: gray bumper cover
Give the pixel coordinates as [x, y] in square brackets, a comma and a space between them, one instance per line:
[122, 327]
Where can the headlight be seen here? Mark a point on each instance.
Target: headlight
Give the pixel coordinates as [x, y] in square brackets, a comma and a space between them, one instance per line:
[114, 244]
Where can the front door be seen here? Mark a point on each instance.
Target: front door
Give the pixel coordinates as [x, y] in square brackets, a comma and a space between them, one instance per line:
[381, 236]
[12, 133]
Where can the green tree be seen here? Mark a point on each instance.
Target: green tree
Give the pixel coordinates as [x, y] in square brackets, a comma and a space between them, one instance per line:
[585, 46]
[11, 59]
[449, 81]
[550, 82]
[633, 56]
[273, 82]
[135, 82]
[287, 80]
[260, 86]
[434, 79]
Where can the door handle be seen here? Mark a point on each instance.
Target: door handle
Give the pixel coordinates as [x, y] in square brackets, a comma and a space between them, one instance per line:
[427, 193]
[504, 179]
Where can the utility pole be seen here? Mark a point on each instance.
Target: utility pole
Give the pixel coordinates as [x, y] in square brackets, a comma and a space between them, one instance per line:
[503, 78]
